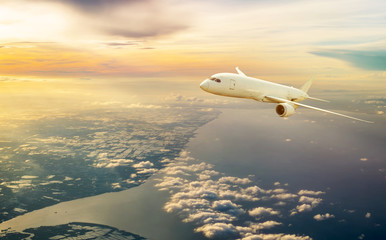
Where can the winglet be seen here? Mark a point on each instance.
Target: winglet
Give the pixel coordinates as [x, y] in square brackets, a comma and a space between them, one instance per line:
[240, 72]
[307, 85]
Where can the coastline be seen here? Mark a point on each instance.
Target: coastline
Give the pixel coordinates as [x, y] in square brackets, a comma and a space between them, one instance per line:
[138, 210]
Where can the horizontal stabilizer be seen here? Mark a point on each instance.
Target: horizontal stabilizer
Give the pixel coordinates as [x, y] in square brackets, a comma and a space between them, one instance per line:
[317, 99]
[282, 100]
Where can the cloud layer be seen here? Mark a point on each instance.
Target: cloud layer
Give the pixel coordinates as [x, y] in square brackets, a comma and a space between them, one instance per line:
[216, 203]
[130, 18]
[369, 60]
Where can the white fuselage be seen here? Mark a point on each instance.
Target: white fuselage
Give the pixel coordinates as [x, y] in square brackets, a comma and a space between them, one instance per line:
[236, 85]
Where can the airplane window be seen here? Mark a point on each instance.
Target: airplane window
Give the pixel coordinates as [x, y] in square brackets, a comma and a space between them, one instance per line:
[215, 79]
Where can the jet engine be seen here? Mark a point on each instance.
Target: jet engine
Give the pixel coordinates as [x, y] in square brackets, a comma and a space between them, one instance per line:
[285, 109]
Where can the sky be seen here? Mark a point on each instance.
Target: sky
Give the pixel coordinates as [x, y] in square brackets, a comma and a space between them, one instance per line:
[73, 46]
[59, 55]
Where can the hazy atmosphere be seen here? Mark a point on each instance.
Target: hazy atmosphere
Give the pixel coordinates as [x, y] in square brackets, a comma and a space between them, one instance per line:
[105, 132]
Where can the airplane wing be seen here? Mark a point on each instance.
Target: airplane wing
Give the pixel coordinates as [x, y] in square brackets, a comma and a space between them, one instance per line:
[282, 100]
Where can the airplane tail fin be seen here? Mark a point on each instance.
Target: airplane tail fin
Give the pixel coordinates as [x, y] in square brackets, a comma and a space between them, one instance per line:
[240, 72]
[307, 85]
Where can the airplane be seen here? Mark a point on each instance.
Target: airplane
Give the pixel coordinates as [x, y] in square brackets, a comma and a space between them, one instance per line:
[241, 86]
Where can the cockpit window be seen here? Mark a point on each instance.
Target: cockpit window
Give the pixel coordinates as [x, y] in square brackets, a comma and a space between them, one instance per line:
[215, 79]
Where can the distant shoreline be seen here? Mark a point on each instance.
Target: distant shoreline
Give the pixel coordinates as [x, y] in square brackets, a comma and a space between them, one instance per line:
[20, 227]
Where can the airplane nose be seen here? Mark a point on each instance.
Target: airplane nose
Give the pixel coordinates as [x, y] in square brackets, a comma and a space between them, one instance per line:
[204, 85]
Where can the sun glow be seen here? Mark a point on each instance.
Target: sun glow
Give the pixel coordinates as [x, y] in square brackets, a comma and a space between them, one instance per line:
[287, 42]
[33, 22]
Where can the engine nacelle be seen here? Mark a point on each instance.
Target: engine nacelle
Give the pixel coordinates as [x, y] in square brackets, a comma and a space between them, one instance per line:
[285, 109]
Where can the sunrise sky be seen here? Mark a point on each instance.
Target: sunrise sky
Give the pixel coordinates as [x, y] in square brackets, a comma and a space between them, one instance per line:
[339, 42]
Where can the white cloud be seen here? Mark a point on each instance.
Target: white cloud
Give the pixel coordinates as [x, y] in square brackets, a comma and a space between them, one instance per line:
[29, 177]
[228, 207]
[186, 205]
[170, 182]
[234, 180]
[51, 182]
[68, 179]
[259, 211]
[321, 217]
[284, 196]
[203, 176]
[186, 170]
[197, 192]
[310, 192]
[122, 161]
[310, 200]
[108, 165]
[254, 190]
[208, 216]
[349, 210]
[197, 101]
[184, 154]
[211, 172]
[279, 190]
[281, 203]
[144, 164]
[237, 195]
[145, 106]
[102, 156]
[112, 163]
[264, 225]
[304, 208]
[19, 210]
[218, 230]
